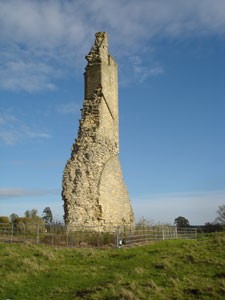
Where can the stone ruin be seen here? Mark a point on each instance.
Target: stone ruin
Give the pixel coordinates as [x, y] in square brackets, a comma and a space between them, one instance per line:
[93, 189]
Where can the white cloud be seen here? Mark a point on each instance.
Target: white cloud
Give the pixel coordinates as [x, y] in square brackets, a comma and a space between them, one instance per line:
[13, 130]
[135, 21]
[198, 208]
[41, 23]
[39, 39]
[15, 193]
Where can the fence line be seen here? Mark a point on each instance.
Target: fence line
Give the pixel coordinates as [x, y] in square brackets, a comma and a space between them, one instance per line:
[92, 236]
[154, 233]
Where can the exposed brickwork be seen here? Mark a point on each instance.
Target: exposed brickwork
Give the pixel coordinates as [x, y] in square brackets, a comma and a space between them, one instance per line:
[94, 192]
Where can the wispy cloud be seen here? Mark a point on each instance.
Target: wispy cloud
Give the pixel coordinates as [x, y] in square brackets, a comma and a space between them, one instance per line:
[68, 108]
[41, 40]
[53, 23]
[13, 130]
[199, 207]
[141, 71]
[16, 193]
[27, 76]
[19, 200]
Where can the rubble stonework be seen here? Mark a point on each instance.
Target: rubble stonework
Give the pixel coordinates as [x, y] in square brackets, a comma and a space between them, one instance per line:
[93, 191]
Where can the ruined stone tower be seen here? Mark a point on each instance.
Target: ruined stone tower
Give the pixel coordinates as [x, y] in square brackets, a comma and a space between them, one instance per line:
[93, 191]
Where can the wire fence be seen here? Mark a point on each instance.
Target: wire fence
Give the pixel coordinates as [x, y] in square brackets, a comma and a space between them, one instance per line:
[91, 236]
[142, 235]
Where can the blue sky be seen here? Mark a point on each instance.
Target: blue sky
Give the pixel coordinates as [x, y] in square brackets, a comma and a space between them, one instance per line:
[171, 97]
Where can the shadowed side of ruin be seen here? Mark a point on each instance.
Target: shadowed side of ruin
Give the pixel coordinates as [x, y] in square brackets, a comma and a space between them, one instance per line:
[94, 192]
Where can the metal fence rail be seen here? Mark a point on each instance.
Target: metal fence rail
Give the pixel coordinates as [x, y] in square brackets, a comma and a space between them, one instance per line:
[92, 236]
[153, 233]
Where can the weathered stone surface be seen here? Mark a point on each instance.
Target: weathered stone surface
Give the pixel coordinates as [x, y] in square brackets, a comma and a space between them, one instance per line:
[93, 191]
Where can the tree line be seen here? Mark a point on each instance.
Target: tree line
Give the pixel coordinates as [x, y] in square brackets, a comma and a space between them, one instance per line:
[30, 216]
[217, 225]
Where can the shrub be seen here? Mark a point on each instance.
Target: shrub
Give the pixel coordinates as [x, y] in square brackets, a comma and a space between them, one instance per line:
[29, 224]
[4, 219]
[213, 227]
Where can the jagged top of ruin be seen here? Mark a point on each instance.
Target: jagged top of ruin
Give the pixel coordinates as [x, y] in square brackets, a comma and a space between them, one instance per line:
[99, 51]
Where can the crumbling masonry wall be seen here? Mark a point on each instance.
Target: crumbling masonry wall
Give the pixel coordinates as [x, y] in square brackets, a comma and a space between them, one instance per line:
[93, 191]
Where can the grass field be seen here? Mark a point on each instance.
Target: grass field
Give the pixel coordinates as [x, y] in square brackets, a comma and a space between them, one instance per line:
[178, 269]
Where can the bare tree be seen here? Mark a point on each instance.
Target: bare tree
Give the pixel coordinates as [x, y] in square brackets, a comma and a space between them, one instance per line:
[221, 215]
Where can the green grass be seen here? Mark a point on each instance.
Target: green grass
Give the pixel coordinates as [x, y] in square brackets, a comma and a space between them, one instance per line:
[190, 269]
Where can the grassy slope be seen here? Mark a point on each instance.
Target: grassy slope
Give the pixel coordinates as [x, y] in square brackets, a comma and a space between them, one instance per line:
[164, 270]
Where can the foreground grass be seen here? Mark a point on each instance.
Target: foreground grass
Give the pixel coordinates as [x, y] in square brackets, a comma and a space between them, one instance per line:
[193, 269]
